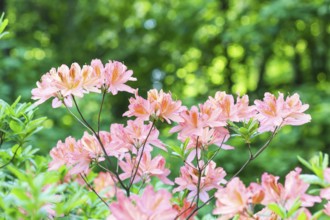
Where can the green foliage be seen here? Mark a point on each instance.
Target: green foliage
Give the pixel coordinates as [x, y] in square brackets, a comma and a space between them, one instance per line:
[27, 188]
[3, 24]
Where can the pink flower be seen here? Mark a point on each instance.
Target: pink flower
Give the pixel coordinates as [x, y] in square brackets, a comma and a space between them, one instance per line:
[165, 108]
[156, 205]
[76, 155]
[148, 167]
[277, 112]
[105, 185]
[90, 80]
[64, 83]
[225, 103]
[61, 154]
[211, 178]
[134, 136]
[140, 108]
[159, 105]
[326, 209]
[325, 193]
[293, 189]
[192, 124]
[256, 193]
[217, 136]
[91, 144]
[116, 75]
[231, 200]
[185, 210]
[46, 89]
[150, 205]
[125, 209]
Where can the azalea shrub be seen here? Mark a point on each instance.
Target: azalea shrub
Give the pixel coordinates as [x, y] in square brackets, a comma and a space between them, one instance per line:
[119, 173]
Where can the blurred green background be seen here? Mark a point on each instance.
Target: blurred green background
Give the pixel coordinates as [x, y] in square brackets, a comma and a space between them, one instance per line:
[192, 48]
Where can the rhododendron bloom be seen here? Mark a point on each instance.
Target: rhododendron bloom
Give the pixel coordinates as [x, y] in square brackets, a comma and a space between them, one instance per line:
[91, 144]
[326, 209]
[140, 108]
[158, 105]
[116, 75]
[150, 205]
[185, 210]
[134, 136]
[76, 155]
[165, 108]
[192, 124]
[277, 112]
[325, 193]
[226, 104]
[125, 209]
[105, 185]
[211, 178]
[231, 200]
[63, 83]
[148, 167]
[293, 189]
[217, 136]
[256, 193]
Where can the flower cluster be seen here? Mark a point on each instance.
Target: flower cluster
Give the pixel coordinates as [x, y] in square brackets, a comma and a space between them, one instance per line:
[150, 205]
[235, 198]
[211, 178]
[129, 149]
[76, 154]
[63, 83]
[276, 112]
[105, 184]
[158, 105]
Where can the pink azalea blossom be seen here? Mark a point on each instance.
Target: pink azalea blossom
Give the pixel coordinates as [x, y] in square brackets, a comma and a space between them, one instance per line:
[150, 205]
[256, 193]
[125, 209]
[104, 184]
[148, 167]
[185, 210]
[76, 155]
[232, 199]
[326, 209]
[165, 108]
[140, 108]
[226, 104]
[211, 178]
[134, 136]
[325, 193]
[192, 124]
[217, 136]
[63, 83]
[276, 112]
[158, 105]
[156, 205]
[91, 144]
[116, 75]
[293, 189]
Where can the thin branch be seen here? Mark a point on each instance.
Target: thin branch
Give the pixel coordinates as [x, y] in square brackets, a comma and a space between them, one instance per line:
[139, 161]
[83, 176]
[99, 115]
[102, 146]
[13, 157]
[199, 173]
[251, 157]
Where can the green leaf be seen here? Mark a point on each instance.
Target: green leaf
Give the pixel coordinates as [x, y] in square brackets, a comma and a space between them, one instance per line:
[16, 126]
[305, 163]
[278, 209]
[296, 205]
[311, 179]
